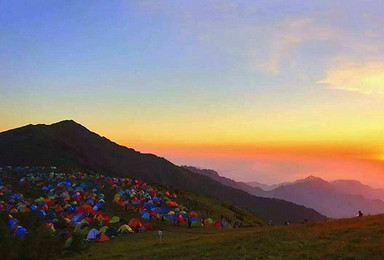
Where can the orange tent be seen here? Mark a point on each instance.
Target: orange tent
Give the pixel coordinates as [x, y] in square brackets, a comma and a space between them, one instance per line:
[103, 237]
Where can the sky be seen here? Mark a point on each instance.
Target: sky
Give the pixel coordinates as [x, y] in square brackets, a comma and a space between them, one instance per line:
[267, 91]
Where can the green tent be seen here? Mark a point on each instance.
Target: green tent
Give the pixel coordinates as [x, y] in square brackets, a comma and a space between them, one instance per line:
[68, 242]
[103, 229]
[39, 199]
[84, 222]
[125, 229]
[114, 220]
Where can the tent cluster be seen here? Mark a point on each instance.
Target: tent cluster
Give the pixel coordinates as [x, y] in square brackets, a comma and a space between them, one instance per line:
[149, 201]
[75, 202]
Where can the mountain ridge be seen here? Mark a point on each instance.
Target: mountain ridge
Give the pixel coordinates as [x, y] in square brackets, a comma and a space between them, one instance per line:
[68, 143]
[319, 194]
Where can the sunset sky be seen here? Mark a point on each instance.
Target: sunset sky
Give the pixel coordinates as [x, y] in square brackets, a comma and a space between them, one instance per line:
[266, 91]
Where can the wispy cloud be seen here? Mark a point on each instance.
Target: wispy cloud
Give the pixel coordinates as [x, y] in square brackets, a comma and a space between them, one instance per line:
[366, 78]
[285, 39]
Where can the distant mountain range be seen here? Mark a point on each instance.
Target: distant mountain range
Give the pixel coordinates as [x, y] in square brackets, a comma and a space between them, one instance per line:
[350, 187]
[265, 187]
[338, 199]
[70, 144]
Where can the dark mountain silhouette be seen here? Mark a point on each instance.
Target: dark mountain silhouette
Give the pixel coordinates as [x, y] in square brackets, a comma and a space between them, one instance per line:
[336, 199]
[69, 144]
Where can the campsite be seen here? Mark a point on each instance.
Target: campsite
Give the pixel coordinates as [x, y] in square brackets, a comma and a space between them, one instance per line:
[78, 220]
[73, 208]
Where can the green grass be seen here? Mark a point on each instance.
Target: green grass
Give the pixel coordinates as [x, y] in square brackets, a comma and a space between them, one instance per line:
[358, 238]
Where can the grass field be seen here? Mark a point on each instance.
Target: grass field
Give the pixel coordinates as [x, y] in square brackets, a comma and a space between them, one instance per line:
[357, 238]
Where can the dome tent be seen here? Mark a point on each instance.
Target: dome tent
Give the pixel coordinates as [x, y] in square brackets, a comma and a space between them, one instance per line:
[92, 234]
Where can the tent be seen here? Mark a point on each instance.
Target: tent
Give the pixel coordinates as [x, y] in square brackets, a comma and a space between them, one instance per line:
[145, 215]
[217, 224]
[148, 226]
[86, 207]
[102, 237]
[103, 229]
[180, 218]
[84, 222]
[20, 231]
[124, 229]
[76, 218]
[92, 234]
[114, 220]
[68, 242]
[163, 210]
[134, 223]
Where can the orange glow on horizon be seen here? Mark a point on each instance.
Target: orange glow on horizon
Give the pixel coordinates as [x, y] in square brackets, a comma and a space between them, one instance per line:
[288, 150]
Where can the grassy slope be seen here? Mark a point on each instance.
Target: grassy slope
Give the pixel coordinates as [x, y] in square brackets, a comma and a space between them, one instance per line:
[358, 238]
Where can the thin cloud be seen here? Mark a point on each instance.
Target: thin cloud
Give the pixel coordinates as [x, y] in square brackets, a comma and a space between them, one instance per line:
[365, 78]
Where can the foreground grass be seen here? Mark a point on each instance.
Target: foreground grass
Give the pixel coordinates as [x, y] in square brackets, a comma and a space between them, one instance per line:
[358, 238]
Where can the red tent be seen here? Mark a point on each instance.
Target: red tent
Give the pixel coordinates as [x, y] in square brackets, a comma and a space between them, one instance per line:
[217, 224]
[87, 207]
[148, 226]
[133, 223]
[59, 209]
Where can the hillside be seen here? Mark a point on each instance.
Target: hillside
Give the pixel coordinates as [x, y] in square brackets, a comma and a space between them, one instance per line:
[356, 238]
[69, 144]
[44, 209]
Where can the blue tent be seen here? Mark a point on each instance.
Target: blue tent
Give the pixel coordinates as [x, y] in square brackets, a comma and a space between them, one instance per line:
[42, 213]
[145, 215]
[20, 231]
[163, 210]
[11, 222]
[76, 218]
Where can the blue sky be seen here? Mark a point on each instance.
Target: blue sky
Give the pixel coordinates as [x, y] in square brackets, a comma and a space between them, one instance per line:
[175, 73]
